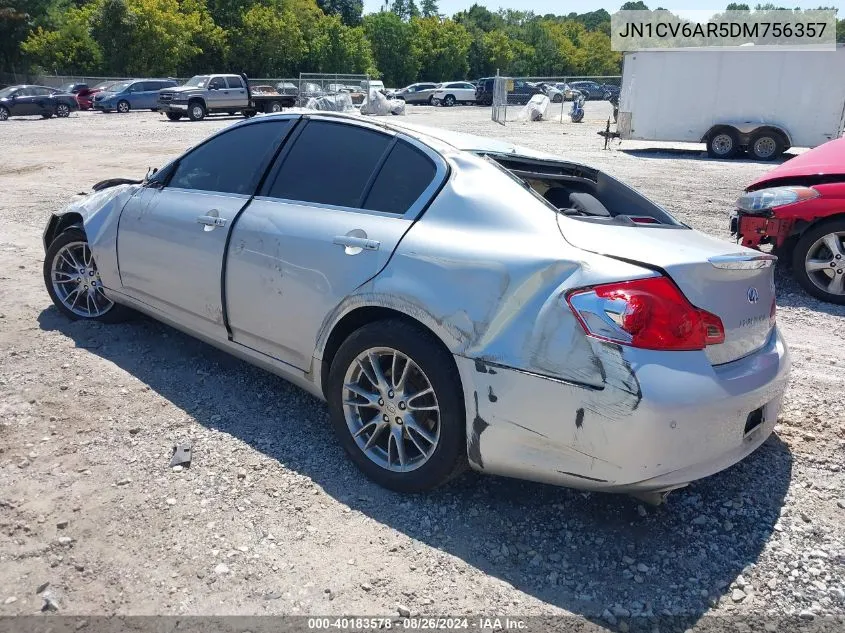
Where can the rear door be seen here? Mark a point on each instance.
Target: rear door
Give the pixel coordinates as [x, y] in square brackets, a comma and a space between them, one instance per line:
[171, 240]
[332, 212]
[237, 92]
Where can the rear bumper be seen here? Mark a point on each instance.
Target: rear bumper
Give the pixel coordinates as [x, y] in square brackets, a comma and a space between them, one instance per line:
[661, 421]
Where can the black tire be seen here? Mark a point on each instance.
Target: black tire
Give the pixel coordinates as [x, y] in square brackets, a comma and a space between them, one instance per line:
[766, 145]
[196, 111]
[174, 116]
[47, 115]
[123, 106]
[431, 100]
[449, 458]
[232, 112]
[62, 110]
[4, 114]
[115, 314]
[449, 101]
[558, 98]
[577, 117]
[723, 143]
[273, 106]
[248, 114]
[802, 249]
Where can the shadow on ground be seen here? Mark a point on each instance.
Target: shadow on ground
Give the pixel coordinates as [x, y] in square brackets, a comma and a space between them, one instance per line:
[674, 153]
[568, 549]
[791, 294]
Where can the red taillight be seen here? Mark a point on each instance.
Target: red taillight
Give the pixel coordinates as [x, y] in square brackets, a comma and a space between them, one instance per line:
[647, 313]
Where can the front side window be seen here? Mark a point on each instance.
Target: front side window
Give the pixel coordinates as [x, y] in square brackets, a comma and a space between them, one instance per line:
[331, 163]
[218, 83]
[232, 162]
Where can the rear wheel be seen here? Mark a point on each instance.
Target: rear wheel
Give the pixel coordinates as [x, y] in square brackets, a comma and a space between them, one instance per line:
[123, 106]
[818, 261]
[723, 143]
[174, 116]
[73, 281]
[196, 111]
[397, 406]
[274, 106]
[4, 114]
[766, 145]
[62, 110]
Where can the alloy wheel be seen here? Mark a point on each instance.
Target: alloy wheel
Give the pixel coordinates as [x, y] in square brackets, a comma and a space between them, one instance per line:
[391, 409]
[825, 263]
[76, 281]
[62, 110]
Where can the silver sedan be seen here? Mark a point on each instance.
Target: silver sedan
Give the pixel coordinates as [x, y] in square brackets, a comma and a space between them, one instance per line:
[456, 300]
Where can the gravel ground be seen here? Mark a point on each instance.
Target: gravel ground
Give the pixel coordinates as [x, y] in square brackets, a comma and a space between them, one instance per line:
[271, 518]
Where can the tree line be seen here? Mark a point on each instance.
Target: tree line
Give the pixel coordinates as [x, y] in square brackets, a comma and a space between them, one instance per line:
[402, 43]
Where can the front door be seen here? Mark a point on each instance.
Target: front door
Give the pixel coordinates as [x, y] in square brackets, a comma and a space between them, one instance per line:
[172, 240]
[24, 104]
[218, 94]
[326, 223]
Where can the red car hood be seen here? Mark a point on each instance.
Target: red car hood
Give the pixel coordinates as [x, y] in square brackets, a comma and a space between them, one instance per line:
[828, 158]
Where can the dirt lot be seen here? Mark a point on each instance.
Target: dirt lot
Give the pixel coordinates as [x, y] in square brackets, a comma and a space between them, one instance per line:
[272, 519]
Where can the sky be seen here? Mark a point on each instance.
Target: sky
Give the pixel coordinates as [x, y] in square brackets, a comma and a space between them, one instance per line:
[562, 7]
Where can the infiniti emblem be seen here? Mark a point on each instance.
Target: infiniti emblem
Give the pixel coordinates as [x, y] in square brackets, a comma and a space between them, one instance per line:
[753, 295]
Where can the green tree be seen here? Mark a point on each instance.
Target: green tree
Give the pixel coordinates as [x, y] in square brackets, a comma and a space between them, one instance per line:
[392, 43]
[441, 47]
[350, 11]
[479, 17]
[639, 5]
[268, 43]
[498, 53]
[429, 8]
[733, 6]
[337, 48]
[69, 48]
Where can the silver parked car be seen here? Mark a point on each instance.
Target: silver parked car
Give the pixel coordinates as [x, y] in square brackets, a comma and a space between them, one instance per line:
[456, 300]
[421, 93]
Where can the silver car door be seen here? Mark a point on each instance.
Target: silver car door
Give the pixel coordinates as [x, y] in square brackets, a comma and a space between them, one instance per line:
[171, 241]
[326, 222]
[237, 92]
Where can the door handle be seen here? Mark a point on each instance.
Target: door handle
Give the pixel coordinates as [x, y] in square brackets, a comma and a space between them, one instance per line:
[357, 242]
[210, 220]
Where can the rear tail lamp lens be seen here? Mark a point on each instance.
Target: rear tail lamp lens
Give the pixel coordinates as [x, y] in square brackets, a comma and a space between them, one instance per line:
[647, 313]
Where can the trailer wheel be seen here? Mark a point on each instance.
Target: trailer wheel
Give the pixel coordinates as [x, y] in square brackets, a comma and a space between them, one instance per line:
[273, 106]
[766, 145]
[723, 143]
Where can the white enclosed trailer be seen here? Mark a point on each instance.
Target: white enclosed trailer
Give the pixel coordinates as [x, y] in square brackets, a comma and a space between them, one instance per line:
[760, 99]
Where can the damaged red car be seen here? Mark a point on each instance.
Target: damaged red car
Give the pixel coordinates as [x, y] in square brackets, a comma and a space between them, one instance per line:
[799, 209]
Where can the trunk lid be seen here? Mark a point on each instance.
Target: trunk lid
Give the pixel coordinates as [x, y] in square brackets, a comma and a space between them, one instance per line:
[732, 282]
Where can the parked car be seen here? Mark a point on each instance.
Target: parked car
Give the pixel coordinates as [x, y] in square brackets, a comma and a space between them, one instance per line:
[521, 93]
[552, 92]
[41, 101]
[134, 94]
[450, 93]
[419, 93]
[590, 89]
[447, 311]
[84, 94]
[797, 208]
[287, 88]
[566, 89]
[214, 94]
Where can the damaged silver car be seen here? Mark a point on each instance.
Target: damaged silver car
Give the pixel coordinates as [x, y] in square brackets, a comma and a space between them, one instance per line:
[456, 300]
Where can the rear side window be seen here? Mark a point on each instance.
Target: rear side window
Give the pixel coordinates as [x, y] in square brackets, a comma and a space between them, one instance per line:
[234, 82]
[401, 181]
[232, 162]
[330, 163]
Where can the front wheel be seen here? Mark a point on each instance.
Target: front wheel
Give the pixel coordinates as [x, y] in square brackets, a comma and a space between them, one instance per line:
[73, 281]
[818, 261]
[123, 107]
[397, 406]
[577, 117]
[248, 114]
[449, 101]
[174, 116]
[4, 114]
[723, 144]
[196, 111]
